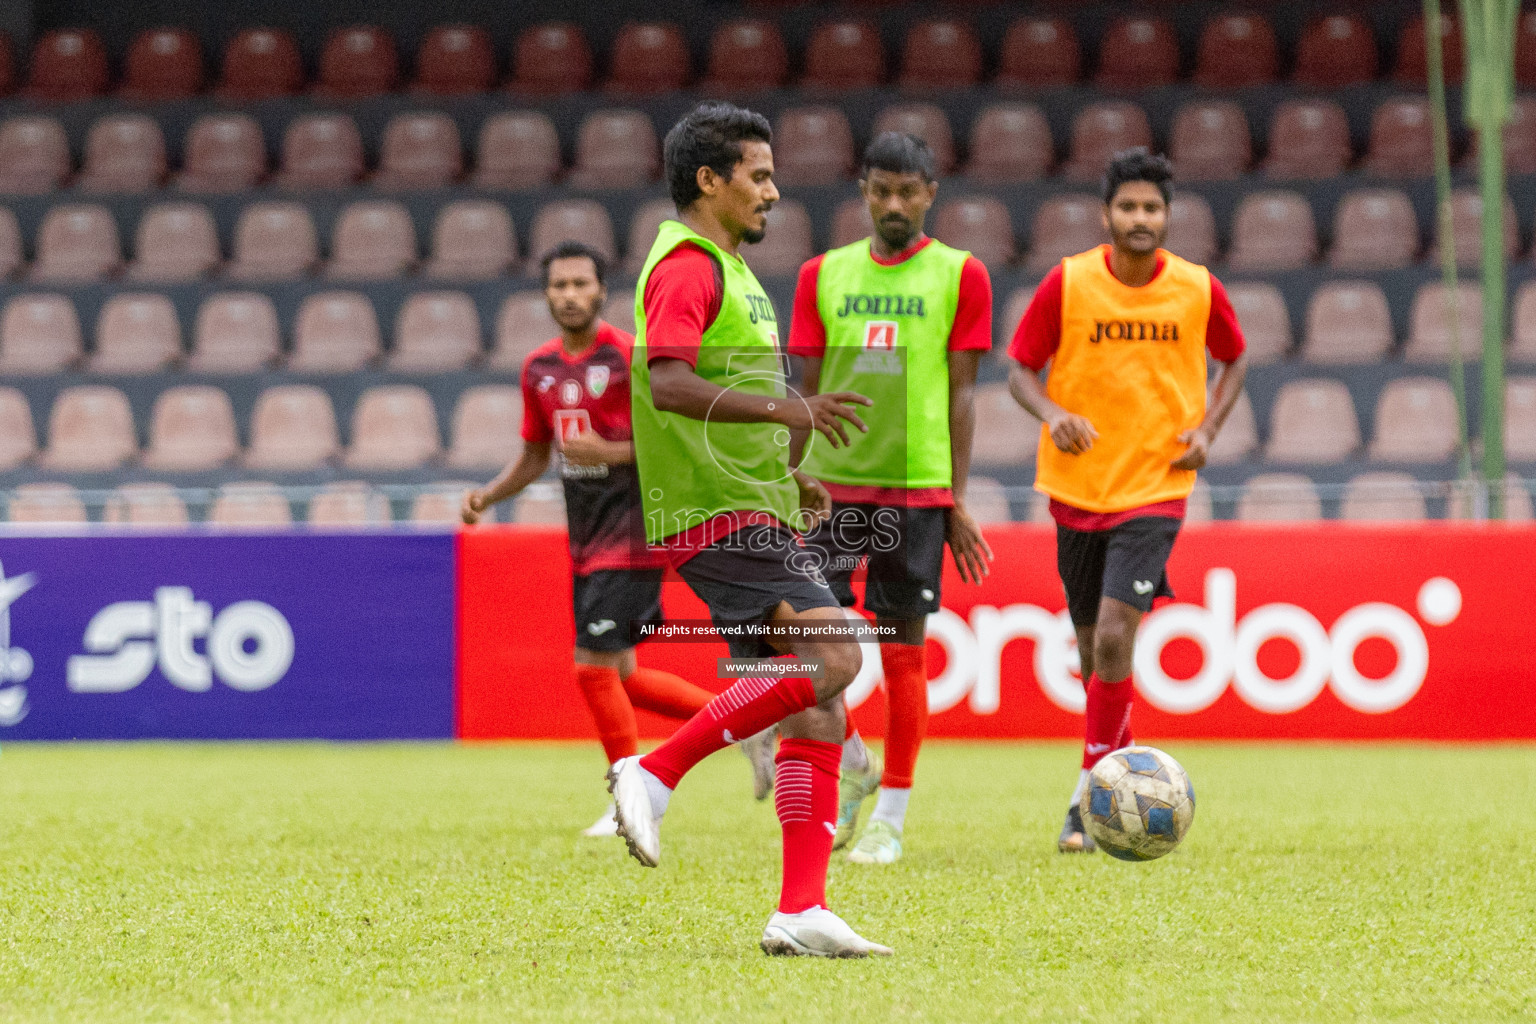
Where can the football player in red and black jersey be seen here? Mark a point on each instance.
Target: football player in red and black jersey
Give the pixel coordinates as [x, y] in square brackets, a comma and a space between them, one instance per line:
[576, 404]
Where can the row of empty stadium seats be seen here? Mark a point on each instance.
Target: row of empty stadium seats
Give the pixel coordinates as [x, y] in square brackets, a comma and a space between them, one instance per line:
[618, 148]
[1135, 51]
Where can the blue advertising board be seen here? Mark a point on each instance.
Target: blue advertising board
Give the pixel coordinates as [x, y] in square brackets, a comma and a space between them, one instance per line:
[220, 636]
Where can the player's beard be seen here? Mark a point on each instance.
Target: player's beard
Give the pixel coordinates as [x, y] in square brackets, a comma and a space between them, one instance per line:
[897, 233]
[577, 320]
[1138, 242]
[752, 236]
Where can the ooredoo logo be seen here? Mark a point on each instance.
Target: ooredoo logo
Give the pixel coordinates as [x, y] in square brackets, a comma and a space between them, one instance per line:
[249, 645]
[15, 663]
[1229, 647]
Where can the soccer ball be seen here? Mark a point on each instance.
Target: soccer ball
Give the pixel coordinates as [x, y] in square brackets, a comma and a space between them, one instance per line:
[1138, 804]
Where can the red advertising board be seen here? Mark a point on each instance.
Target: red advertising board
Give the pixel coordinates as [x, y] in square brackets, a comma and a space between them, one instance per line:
[1325, 631]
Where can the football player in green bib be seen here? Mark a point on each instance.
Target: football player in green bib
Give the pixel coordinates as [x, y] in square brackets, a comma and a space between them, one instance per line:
[712, 421]
[905, 319]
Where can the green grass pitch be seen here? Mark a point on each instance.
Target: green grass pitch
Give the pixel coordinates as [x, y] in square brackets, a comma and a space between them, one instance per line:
[380, 883]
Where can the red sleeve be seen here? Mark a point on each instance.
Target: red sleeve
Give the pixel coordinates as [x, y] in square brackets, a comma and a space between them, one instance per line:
[1039, 333]
[1223, 334]
[807, 334]
[973, 311]
[536, 426]
[682, 298]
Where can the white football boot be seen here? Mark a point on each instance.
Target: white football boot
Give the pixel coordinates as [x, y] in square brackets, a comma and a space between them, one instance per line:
[632, 815]
[816, 932]
[602, 827]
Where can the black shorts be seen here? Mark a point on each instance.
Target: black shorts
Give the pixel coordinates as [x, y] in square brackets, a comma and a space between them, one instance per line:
[1128, 563]
[743, 577]
[905, 549]
[613, 604]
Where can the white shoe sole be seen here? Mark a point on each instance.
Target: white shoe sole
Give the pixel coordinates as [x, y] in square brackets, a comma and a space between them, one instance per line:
[624, 830]
[778, 942]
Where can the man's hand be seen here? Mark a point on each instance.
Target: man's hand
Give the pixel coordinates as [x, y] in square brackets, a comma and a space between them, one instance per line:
[971, 552]
[1071, 433]
[815, 502]
[587, 448]
[471, 508]
[1199, 449]
[825, 413]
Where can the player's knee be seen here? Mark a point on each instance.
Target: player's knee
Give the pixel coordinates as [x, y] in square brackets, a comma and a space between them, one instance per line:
[841, 663]
[1113, 650]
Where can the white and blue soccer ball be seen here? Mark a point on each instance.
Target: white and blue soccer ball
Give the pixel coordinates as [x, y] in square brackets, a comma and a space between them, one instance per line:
[1139, 803]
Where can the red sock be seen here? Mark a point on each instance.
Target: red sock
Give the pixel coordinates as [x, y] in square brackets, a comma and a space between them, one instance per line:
[805, 795]
[651, 689]
[1108, 717]
[906, 714]
[747, 708]
[610, 710]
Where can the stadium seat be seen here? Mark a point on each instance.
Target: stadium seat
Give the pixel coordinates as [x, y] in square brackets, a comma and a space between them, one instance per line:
[788, 243]
[522, 324]
[1262, 314]
[542, 504]
[34, 155]
[357, 62]
[1519, 419]
[394, 427]
[1239, 436]
[1010, 142]
[175, 242]
[236, 332]
[163, 64]
[435, 332]
[146, 504]
[746, 55]
[813, 146]
[1101, 130]
[1198, 507]
[372, 240]
[1518, 506]
[47, 503]
[1374, 229]
[1383, 496]
[77, 243]
[850, 222]
[439, 505]
[123, 153]
[259, 64]
[1308, 138]
[10, 244]
[987, 501]
[1279, 497]
[348, 503]
[90, 429]
[1064, 225]
[68, 65]
[1415, 421]
[1412, 68]
[620, 309]
[1005, 435]
[1273, 231]
[455, 60]
[1336, 50]
[518, 149]
[925, 120]
[1429, 330]
[191, 429]
[1400, 144]
[551, 59]
[616, 149]
[1191, 228]
[1210, 141]
[293, 429]
[844, 55]
[940, 54]
[1519, 139]
[1039, 52]
[224, 153]
[39, 334]
[1312, 421]
[472, 240]
[649, 59]
[1347, 322]
[136, 333]
[1137, 53]
[1236, 51]
[1522, 346]
[978, 224]
[18, 434]
[420, 151]
[574, 220]
[487, 427]
[643, 226]
[1467, 230]
[274, 242]
[334, 332]
[321, 151]
[248, 504]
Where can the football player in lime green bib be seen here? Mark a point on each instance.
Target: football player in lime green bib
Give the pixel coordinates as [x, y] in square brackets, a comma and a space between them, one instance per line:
[903, 318]
[712, 421]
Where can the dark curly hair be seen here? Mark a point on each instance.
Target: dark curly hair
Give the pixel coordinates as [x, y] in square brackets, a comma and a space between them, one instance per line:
[1138, 165]
[709, 135]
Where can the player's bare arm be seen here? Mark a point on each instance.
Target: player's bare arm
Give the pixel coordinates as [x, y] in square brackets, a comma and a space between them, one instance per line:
[810, 384]
[967, 546]
[518, 474]
[676, 388]
[1229, 384]
[1070, 432]
[591, 449]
